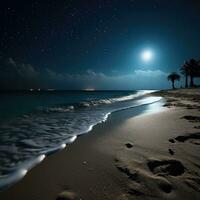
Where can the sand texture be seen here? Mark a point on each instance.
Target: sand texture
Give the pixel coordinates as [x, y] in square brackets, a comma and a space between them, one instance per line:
[133, 155]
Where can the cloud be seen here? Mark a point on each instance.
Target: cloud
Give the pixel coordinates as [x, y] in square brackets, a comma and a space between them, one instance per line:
[139, 79]
[15, 75]
[150, 73]
[21, 69]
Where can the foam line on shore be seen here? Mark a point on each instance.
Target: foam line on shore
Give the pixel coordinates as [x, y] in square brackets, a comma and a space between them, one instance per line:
[10, 179]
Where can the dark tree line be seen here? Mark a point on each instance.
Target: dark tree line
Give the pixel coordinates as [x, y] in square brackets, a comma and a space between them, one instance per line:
[190, 69]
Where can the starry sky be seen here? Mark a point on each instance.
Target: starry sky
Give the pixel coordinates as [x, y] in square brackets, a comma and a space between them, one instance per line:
[78, 44]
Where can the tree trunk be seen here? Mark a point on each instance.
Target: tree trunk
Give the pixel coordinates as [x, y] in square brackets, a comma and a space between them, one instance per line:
[186, 81]
[191, 81]
[173, 85]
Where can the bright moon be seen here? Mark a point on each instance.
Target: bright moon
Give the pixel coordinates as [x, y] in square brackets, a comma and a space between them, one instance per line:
[147, 55]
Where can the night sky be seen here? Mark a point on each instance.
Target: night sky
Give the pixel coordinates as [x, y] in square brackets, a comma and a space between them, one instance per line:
[79, 44]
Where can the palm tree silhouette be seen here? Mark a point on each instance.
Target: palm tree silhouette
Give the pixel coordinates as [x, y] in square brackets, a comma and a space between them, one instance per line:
[185, 71]
[173, 77]
[191, 67]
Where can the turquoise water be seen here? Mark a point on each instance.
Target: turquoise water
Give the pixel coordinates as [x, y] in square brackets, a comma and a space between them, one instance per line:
[13, 104]
[35, 124]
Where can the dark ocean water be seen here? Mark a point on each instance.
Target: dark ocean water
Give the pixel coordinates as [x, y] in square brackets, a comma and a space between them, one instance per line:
[35, 124]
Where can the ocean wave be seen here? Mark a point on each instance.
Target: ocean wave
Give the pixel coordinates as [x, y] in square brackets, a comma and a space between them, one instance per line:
[86, 104]
[59, 109]
[47, 131]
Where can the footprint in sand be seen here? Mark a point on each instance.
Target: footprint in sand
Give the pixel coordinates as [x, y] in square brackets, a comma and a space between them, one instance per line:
[183, 138]
[171, 140]
[191, 118]
[129, 145]
[171, 152]
[67, 195]
[166, 167]
[192, 138]
[141, 183]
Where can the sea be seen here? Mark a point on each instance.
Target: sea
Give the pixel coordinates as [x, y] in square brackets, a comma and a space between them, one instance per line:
[34, 124]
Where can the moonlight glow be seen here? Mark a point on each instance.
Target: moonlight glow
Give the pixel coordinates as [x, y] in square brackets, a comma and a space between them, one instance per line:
[147, 55]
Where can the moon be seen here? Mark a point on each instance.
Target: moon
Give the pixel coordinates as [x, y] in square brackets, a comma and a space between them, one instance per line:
[147, 55]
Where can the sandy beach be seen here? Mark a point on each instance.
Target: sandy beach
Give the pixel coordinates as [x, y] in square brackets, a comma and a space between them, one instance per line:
[133, 155]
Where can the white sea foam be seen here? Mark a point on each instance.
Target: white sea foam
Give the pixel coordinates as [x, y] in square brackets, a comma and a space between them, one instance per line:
[43, 133]
[99, 102]
[20, 172]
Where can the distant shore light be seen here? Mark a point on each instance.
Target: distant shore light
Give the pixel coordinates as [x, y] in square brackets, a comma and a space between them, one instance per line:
[89, 89]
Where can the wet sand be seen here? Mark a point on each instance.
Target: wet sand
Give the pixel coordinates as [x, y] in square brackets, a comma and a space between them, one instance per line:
[133, 155]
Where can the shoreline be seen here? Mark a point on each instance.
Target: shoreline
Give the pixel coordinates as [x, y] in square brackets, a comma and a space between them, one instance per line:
[106, 164]
[8, 180]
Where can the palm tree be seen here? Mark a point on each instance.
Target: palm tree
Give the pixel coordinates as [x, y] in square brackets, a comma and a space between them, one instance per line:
[198, 69]
[192, 66]
[185, 71]
[173, 77]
